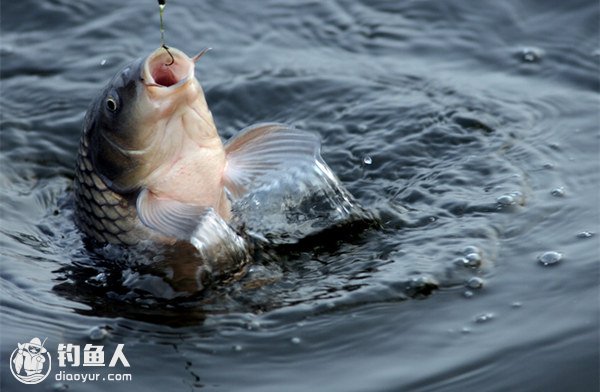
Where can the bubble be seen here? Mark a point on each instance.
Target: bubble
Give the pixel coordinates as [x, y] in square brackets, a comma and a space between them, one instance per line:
[558, 192]
[296, 340]
[475, 283]
[472, 262]
[253, 325]
[237, 347]
[98, 333]
[510, 199]
[473, 259]
[585, 234]
[549, 258]
[483, 318]
[506, 200]
[471, 249]
[103, 62]
[367, 160]
[530, 54]
[422, 285]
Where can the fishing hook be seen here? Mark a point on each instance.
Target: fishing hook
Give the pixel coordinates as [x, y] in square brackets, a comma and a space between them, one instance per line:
[165, 47]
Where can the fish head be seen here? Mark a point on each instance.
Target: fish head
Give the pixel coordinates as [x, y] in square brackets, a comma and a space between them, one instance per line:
[145, 117]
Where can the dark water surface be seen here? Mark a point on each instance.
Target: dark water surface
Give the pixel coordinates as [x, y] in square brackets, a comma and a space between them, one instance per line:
[470, 129]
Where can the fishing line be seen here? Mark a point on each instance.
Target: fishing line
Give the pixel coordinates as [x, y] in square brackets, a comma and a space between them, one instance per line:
[161, 5]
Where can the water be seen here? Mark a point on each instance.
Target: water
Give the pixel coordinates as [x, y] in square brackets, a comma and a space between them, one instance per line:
[471, 132]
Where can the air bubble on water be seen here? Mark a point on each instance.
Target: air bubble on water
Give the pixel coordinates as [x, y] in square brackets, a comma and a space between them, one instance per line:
[509, 199]
[295, 340]
[472, 262]
[475, 283]
[103, 62]
[253, 325]
[473, 258]
[506, 200]
[531, 54]
[585, 234]
[237, 347]
[471, 249]
[98, 333]
[367, 160]
[483, 318]
[558, 192]
[549, 258]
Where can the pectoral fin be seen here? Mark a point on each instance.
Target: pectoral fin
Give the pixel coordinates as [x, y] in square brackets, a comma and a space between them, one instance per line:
[262, 152]
[169, 217]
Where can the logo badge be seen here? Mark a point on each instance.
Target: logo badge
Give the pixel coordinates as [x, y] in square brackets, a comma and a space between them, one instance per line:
[30, 363]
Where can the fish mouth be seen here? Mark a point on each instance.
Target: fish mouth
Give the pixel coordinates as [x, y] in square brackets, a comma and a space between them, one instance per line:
[167, 68]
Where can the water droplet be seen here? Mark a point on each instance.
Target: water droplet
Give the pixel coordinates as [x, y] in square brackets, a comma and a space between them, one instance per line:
[472, 262]
[482, 318]
[506, 200]
[475, 283]
[98, 333]
[367, 160]
[585, 234]
[59, 387]
[253, 325]
[558, 192]
[531, 54]
[509, 199]
[474, 259]
[296, 340]
[103, 62]
[471, 249]
[549, 258]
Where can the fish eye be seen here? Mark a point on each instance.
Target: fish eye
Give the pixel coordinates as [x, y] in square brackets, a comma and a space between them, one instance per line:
[111, 104]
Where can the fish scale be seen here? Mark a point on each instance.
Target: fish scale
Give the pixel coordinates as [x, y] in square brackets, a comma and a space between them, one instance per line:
[109, 218]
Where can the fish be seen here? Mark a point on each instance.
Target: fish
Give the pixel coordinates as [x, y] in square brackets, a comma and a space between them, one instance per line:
[151, 165]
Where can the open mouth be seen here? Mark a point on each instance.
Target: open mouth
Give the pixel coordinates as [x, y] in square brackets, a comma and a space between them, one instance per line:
[162, 70]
